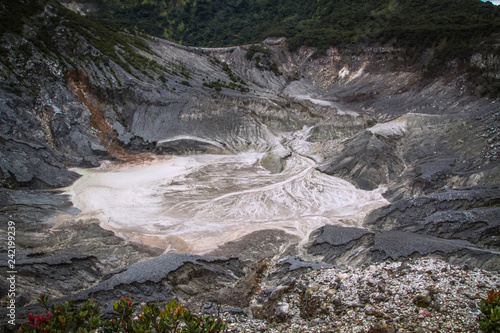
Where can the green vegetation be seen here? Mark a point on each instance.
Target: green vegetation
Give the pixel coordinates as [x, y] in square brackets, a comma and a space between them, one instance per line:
[219, 84]
[121, 48]
[237, 82]
[67, 317]
[182, 69]
[162, 78]
[449, 27]
[262, 58]
[320, 23]
[90, 41]
[489, 319]
[14, 13]
[235, 78]
[252, 50]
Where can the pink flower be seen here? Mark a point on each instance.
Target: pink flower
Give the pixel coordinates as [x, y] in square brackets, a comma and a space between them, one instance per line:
[31, 318]
[49, 315]
[129, 303]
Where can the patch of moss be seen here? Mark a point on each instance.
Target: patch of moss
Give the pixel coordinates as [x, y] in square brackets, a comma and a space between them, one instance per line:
[262, 58]
[219, 84]
[254, 49]
[232, 76]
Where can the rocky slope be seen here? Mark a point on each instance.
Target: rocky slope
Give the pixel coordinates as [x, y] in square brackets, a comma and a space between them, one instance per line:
[423, 295]
[84, 94]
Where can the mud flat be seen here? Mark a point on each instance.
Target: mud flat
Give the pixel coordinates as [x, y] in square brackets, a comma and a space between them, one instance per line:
[194, 204]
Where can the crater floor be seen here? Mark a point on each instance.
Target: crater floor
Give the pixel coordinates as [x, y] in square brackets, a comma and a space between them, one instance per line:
[194, 204]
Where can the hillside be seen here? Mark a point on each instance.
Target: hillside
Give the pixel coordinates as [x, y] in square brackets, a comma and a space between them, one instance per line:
[312, 23]
[451, 28]
[135, 166]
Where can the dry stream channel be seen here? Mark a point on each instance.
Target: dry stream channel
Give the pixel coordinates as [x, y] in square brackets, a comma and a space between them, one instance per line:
[195, 203]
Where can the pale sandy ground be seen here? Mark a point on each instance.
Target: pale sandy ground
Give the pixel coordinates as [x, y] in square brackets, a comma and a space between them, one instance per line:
[193, 204]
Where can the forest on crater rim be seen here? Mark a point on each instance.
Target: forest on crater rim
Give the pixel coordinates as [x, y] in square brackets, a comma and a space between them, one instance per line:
[320, 24]
[451, 28]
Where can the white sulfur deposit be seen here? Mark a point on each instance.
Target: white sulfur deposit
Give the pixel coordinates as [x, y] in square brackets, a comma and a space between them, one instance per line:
[193, 204]
[395, 128]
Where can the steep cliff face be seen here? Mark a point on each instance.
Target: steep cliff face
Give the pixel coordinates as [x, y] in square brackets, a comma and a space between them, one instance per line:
[75, 93]
[376, 120]
[83, 99]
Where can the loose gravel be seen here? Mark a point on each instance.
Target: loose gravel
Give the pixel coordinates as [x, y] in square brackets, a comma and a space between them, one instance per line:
[416, 295]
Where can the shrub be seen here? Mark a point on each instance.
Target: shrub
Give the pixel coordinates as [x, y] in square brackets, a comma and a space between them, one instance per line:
[489, 319]
[252, 50]
[218, 85]
[174, 318]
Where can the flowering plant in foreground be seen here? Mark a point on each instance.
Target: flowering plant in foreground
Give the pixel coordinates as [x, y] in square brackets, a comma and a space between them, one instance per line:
[489, 319]
[174, 318]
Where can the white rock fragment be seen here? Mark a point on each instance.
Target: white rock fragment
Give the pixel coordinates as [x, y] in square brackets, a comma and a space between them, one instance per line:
[384, 294]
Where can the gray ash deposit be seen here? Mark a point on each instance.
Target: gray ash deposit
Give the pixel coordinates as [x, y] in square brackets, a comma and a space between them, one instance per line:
[329, 197]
